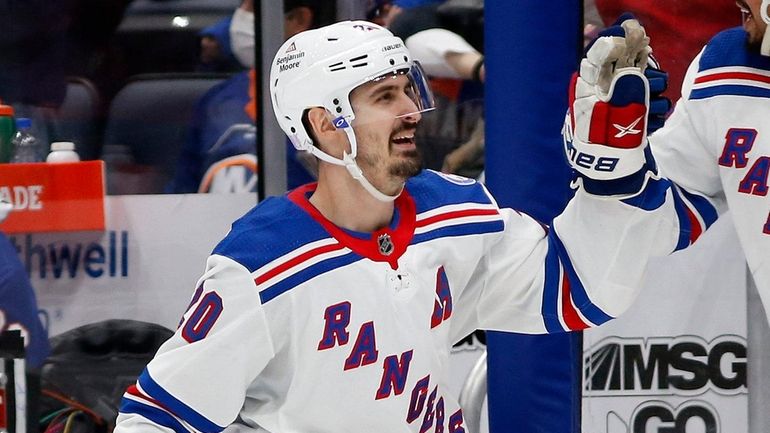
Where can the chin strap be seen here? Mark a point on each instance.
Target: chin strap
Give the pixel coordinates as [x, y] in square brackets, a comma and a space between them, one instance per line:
[357, 174]
[765, 47]
[349, 162]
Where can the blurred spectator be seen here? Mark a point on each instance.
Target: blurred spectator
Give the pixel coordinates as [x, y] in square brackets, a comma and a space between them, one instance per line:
[463, 17]
[446, 55]
[678, 29]
[33, 46]
[18, 307]
[216, 54]
[42, 43]
[18, 311]
[219, 155]
[468, 159]
[438, 33]
[33, 50]
[91, 51]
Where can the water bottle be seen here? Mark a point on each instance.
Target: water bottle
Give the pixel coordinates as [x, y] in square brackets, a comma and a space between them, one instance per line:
[7, 131]
[63, 151]
[26, 147]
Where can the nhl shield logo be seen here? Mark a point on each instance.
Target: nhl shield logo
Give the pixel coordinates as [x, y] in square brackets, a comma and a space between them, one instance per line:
[386, 244]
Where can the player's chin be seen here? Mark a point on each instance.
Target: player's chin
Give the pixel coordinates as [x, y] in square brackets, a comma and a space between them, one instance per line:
[756, 31]
[408, 164]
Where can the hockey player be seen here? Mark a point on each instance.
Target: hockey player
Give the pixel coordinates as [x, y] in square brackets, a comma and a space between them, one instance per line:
[333, 308]
[713, 144]
[716, 148]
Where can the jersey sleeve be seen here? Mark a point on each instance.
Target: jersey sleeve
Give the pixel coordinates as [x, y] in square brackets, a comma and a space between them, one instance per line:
[583, 271]
[197, 381]
[683, 151]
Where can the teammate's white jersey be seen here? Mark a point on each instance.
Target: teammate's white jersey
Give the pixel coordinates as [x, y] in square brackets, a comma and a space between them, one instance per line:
[716, 145]
[300, 326]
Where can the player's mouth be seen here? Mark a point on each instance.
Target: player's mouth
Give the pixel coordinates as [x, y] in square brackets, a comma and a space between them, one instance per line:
[403, 141]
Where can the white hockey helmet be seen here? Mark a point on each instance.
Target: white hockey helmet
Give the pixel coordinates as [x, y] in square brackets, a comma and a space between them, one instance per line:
[321, 67]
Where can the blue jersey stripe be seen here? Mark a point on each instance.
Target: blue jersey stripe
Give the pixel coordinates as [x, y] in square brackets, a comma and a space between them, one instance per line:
[730, 90]
[685, 227]
[198, 421]
[327, 265]
[551, 288]
[158, 416]
[652, 196]
[306, 274]
[459, 230]
[579, 295]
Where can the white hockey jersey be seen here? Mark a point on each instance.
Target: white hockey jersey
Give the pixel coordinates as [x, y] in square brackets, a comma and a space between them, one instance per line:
[716, 146]
[301, 326]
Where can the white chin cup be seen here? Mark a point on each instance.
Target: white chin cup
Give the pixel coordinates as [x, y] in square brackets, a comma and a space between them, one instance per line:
[765, 47]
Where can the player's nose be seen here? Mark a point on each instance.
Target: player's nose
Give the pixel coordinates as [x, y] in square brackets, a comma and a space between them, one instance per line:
[408, 110]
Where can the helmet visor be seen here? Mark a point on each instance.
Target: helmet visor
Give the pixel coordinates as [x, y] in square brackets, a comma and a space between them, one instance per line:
[418, 88]
[400, 94]
[421, 91]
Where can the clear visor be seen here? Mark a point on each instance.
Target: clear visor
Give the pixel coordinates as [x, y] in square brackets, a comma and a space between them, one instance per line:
[422, 93]
[390, 89]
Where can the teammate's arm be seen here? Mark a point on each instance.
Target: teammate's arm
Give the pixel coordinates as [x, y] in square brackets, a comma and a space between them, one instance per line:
[587, 267]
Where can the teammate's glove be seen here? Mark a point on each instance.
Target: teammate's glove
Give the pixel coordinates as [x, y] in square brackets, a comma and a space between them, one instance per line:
[659, 104]
[605, 132]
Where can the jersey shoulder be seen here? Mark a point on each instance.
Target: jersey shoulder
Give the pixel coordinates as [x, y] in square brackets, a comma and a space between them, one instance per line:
[272, 229]
[730, 48]
[729, 67]
[431, 189]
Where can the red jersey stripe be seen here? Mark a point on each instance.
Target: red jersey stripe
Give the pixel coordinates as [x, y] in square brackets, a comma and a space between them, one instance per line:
[695, 228]
[296, 261]
[455, 214]
[571, 317]
[732, 76]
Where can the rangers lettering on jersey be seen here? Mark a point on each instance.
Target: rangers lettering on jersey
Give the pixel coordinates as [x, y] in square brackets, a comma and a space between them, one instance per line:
[723, 114]
[325, 314]
[395, 368]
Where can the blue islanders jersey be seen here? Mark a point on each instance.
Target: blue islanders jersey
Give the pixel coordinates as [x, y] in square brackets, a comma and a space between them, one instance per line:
[716, 146]
[18, 307]
[220, 154]
[298, 325]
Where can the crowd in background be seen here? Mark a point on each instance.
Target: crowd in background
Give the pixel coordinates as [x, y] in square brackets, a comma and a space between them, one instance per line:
[47, 46]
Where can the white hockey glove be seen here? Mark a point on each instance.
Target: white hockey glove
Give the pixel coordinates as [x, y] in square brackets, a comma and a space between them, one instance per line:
[605, 131]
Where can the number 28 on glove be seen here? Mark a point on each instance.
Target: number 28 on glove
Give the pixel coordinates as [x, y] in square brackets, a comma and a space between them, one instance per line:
[605, 134]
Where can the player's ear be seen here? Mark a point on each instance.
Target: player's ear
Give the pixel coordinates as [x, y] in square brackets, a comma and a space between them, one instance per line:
[318, 123]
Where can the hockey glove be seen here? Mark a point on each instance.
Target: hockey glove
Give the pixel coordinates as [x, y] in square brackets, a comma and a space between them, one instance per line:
[658, 78]
[605, 132]
[659, 104]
